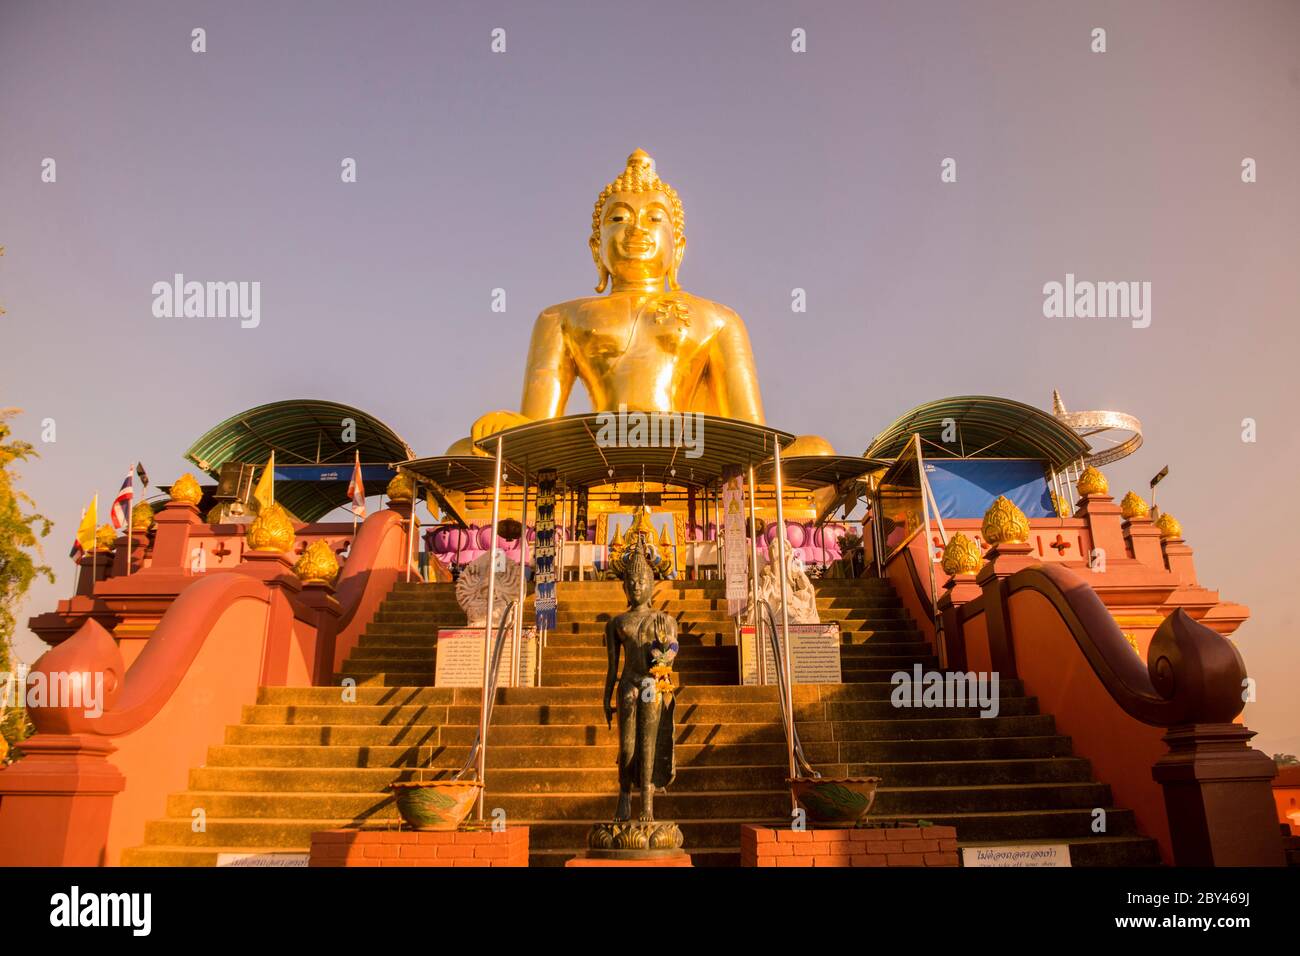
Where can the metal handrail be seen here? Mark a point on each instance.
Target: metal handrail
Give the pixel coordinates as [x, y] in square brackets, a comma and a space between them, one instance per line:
[787, 717]
[498, 645]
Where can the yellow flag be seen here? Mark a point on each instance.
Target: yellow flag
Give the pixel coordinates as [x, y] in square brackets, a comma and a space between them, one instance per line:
[86, 530]
[264, 493]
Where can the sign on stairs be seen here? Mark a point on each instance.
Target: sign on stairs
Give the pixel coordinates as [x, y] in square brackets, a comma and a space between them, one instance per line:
[459, 661]
[814, 655]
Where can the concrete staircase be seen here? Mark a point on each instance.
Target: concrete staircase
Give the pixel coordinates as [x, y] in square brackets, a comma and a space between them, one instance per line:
[303, 760]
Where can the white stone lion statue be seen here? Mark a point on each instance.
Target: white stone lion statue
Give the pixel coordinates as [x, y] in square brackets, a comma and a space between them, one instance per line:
[801, 597]
[472, 588]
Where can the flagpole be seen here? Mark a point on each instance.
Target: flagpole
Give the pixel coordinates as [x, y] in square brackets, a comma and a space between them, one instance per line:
[76, 578]
[94, 552]
[130, 505]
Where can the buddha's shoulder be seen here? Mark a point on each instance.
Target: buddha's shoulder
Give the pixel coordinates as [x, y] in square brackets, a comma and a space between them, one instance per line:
[562, 310]
[703, 306]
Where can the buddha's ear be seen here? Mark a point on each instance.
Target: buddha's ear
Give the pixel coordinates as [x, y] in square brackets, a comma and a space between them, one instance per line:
[678, 252]
[601, 271]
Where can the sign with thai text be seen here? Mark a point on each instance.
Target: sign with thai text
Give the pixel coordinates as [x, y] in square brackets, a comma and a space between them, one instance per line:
[1018, 855]
[459, 660]
[814, 654]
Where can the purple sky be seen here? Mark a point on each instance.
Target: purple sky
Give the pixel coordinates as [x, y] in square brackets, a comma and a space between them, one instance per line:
[817, 170]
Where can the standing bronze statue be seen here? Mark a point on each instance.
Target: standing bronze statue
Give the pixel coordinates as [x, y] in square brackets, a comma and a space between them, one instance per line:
[642, 696]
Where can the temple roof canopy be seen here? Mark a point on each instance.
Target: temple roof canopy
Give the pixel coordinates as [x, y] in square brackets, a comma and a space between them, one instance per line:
[302, 432]
[985, 427]
[573, 446]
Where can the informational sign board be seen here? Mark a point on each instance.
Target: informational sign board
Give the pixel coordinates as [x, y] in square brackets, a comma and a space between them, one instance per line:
[262, 859]
[814, 654]
[459, 661]
[1019, 855]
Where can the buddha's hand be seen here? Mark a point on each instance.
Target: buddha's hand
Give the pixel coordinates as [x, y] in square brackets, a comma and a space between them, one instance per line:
[491, 423]
[609, 714]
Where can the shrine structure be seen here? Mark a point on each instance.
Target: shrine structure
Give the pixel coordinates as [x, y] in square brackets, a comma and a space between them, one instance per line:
[269, 674]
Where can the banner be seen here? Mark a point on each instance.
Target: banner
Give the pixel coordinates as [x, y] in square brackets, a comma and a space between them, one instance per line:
[544, 550]
[736, 568]
[580, 517]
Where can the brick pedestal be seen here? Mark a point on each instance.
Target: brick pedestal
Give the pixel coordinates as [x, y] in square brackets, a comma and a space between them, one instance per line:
[508, 847]
[902, 846]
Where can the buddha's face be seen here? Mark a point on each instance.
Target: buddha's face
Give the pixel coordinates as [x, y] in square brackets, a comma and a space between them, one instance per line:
[636, 237]
[639, 589]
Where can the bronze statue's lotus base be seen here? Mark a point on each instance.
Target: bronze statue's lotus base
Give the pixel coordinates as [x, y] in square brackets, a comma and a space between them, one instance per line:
[634, 840]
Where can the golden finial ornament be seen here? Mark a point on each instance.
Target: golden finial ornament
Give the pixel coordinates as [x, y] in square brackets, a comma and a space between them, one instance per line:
[271, 530]
[961, 555]
[142, 517]
[1132, 642]
[318, 565]
[1004, 523]
[186, 490]
[401, 488]
[1133, 506]
[105, 538]
[1169, 526]
[1092, 482]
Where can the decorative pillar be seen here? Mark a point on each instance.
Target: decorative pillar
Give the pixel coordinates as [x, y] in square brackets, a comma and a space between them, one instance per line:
[961, 559]
[179, 517]
[94, 566]
[1178, 556]
[57, 800]
[1140, 532]
[1218, 797]
[317, 569]
[401, 499]
[130, 550]
[1006, 528]
[1098, 508]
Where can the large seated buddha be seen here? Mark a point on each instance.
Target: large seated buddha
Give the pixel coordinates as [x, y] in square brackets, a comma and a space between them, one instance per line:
[645, 345]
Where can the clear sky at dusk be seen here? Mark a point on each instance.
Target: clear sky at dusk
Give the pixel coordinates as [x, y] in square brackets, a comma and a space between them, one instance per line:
[817, 170]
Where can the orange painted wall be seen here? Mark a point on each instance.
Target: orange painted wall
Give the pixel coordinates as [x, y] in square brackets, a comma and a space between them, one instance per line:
[1122, 749]
[156, 759]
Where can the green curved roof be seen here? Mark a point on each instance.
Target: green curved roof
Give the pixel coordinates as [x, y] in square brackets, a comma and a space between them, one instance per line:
[302, 432]
[986, 427]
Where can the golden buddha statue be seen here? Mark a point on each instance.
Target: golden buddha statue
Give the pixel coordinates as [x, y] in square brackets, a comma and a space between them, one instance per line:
[642, 346]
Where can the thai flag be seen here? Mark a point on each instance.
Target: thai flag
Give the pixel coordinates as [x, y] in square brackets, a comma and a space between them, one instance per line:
[119, 514]
[77, 550]
[357, 490]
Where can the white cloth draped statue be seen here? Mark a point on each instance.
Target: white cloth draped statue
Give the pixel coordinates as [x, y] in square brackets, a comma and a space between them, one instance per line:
[472, 588]
[801, 597]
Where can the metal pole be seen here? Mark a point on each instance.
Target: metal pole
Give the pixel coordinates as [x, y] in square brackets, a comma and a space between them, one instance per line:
[131, 477]
[487, 636]
[94, 549]
[711, 505]
[760, 662]
[720, 516]
[785, 620]
[517, 667]
[410, 531]
[561, 538]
